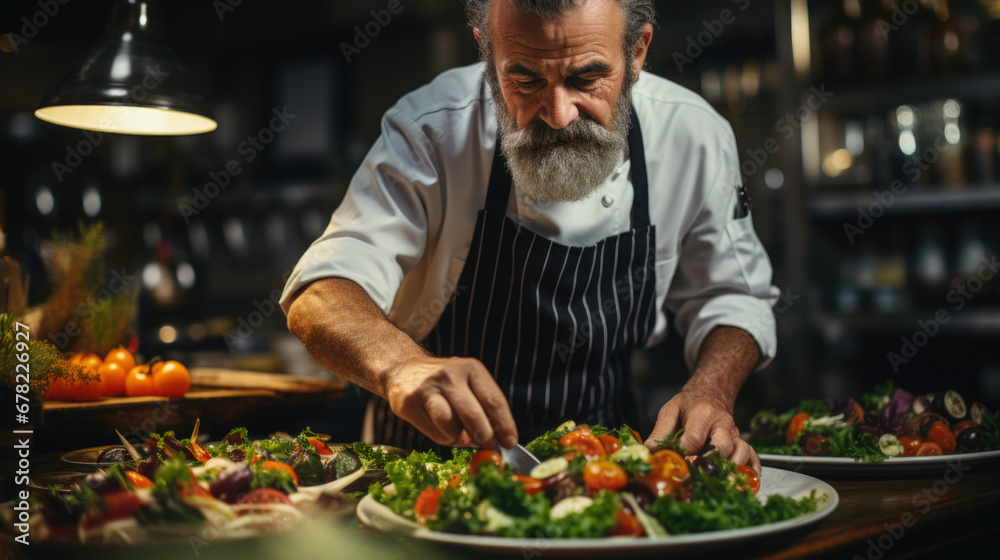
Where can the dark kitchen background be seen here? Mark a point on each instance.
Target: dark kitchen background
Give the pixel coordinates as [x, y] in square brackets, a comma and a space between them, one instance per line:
[868, 133]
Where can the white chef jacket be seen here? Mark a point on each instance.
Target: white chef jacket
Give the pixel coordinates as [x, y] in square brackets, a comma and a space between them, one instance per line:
[404, 228]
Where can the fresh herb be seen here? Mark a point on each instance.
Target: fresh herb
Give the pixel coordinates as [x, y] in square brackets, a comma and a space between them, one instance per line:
[673, 442]
[372, 457]
[272, 478]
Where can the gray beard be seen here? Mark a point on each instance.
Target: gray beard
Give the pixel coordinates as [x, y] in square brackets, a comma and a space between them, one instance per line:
[565, 165]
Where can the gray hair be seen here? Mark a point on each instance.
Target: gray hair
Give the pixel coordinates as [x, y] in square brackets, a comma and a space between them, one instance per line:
[637, 13]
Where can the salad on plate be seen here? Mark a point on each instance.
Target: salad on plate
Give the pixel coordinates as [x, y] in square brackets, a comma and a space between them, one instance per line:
[592, 482]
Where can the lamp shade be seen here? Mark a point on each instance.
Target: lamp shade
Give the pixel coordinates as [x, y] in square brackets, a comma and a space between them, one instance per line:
[130, 82]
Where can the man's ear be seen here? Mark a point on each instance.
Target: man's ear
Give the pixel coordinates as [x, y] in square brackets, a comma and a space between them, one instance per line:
[641, 49]
[477, 35]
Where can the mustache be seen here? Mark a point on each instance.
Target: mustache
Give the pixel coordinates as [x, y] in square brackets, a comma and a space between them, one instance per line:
[539, 135]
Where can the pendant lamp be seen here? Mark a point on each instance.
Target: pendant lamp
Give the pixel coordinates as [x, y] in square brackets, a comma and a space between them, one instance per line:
[130, 82]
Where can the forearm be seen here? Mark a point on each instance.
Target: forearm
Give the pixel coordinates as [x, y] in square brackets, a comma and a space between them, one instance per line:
[349, 335]
[727, 357]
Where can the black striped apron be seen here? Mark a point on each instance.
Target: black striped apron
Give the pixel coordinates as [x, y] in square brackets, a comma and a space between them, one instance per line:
[554, 324]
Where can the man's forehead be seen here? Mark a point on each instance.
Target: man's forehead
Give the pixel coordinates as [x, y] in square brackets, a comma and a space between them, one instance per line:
[592, 28]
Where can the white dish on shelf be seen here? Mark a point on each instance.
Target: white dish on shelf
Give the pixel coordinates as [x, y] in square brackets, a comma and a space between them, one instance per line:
[845, 466]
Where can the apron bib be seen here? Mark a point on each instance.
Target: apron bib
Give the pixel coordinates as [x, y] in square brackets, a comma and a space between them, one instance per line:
[554, 324]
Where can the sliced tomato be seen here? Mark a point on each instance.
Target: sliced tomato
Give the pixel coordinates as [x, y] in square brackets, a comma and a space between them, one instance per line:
[941, 434]
[262, 496]
[114, 505]
[427, 503]
[928, 449]
[795, 426]
[137, 480]
[278, 466]
[584, 441]
[911, 444]
[669, 464]
[321, 448]
[455, 481]
[753, 481]
[610, 443]
[482, 457]
[627, 525]
[604, 475]
[531, 486]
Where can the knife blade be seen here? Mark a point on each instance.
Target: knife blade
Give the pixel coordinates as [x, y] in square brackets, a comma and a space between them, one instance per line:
[519, 458]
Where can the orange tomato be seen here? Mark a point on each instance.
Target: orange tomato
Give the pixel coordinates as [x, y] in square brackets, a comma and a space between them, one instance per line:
[122, 357]
[427, 503]
[171, 379]
[58, 390]
[753, 480]
[113, 375]
[584, 441]
[321, 448]
[604, 475]
[610, 443]
[531, 486]
[138, 382]
[87, 390]
[278, 466]
[911, 444]
[482, 457]
[669, 464]
[941, 434]
[795, 426]
[928, 449]
[138, 481]
[627, 525]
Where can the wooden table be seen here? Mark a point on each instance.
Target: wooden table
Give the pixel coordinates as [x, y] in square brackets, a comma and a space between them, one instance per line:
[901, 517]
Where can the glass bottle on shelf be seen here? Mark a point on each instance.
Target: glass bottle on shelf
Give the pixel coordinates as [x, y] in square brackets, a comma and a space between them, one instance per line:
[946, 42]
[981, 148]
[947, 135]
[838, 42]
[906, 161]
[873, 43]
[890, 274]
[908, 44]
[930, 266]
[971, 254]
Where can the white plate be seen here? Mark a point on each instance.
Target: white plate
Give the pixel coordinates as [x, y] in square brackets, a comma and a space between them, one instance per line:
[891, 466]
[773, 481]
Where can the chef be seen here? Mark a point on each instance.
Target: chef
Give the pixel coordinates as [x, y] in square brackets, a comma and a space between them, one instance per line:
[522, 224]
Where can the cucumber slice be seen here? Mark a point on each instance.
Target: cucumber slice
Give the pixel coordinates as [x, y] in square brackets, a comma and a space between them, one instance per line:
[549, 468]
[573, 504]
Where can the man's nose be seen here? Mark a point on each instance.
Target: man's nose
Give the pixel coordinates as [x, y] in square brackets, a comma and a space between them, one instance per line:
[559, 108]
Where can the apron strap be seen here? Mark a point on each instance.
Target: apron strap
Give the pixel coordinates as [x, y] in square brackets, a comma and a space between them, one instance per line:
[498, 192]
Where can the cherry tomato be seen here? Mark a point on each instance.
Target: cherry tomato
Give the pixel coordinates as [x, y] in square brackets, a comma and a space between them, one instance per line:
[137, 480]
[138, 382]
[427, 503]
[941, 434]
[815, 445]
[795, 426]
[87, 360]
[960, 427]
[171, 379]
[114, 505]
[279, 466]
[911, 444]
[531, 486]
[262, 496]
[929, 449]
[753, 480]
[482, 457]
[627, 525]
[321, 448]
[604, 475]
[636, 434]
[669, 464]
[610, 443]
[456, 480]
[113, 375]
[122, 357]
[584, 441]
[660, 486]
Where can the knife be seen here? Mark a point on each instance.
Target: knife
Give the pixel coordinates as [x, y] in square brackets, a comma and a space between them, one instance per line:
[519, 458]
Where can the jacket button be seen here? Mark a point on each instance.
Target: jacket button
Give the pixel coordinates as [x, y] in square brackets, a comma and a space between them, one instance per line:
[608, 200]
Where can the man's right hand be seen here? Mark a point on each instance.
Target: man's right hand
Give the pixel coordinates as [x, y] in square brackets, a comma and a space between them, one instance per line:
[454, 401]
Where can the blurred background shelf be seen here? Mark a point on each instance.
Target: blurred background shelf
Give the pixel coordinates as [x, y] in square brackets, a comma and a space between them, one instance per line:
[977, 198]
